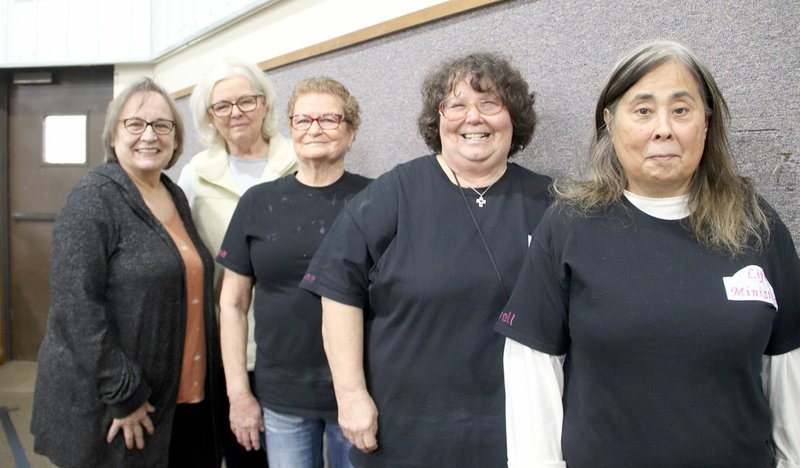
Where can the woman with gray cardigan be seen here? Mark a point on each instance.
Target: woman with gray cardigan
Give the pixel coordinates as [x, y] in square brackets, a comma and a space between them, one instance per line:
[129, 368]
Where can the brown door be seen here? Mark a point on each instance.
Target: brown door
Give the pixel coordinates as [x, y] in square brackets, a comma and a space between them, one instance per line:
[38, 187]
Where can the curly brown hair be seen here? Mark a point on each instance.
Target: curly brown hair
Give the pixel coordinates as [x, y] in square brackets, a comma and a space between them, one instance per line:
[485, 72]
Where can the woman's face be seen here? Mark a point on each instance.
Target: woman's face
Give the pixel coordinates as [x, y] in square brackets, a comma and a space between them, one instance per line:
[475, 138]
[316, 143]
[659, 131]
[147, 153]
[238, 129]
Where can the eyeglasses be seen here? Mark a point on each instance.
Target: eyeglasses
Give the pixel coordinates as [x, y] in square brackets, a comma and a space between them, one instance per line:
[244, 103]
[303, 122]
[456, 109]
[137, 126]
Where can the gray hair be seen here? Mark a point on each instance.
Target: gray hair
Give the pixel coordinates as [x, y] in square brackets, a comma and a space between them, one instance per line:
[725, 208]
[201, 100]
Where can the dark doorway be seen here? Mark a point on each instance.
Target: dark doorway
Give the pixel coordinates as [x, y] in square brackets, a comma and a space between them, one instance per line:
[37, 183]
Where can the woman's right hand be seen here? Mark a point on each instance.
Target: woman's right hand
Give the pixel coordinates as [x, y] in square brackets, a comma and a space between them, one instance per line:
[358, 419]
[132, 426]
[247, 422]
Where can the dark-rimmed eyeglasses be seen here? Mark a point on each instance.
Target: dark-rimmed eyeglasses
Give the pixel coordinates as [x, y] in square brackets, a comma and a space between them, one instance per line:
[137, 126]
[456, 109]
[244, 103]
[303, 122]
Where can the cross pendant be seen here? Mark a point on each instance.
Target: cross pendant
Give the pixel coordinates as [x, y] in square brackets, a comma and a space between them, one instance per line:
[480, 201]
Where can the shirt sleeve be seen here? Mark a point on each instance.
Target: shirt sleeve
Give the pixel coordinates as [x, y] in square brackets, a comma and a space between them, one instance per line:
[785, 266]
[534, 384]
[350, 253]
[537, 311]
[782, 385]
[234, 253]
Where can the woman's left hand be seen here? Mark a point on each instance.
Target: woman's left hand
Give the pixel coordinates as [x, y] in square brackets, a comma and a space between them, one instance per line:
[132, 425]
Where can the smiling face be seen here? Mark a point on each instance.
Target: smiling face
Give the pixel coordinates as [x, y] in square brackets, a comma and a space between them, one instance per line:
[476, 139]
[240, 130]
[316, 144]
[659, 130]
[147, 154]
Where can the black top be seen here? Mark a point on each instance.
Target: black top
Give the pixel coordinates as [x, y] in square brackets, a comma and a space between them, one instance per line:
[406, 250]
[663, 337]
[275, 230]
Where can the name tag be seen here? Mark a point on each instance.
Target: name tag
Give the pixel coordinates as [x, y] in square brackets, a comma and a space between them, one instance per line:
[750, 284]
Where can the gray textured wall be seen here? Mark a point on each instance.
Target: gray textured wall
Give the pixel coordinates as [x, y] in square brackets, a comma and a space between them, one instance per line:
[565, 49]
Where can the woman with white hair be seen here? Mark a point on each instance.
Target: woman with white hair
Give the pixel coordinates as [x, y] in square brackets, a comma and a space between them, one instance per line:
[235, 117]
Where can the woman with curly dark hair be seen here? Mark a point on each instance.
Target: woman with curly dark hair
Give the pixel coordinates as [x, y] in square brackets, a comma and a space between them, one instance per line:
[416, 268]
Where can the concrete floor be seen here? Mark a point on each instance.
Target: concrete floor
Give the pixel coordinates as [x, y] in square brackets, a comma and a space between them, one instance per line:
[16, 392]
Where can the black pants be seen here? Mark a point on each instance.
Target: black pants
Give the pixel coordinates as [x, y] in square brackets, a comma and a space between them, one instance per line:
[192, 444]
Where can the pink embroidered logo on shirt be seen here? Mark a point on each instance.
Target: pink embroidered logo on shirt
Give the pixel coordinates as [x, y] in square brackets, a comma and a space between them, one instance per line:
[222, 254]
[309, 278]
[750, 284]
[508, 318]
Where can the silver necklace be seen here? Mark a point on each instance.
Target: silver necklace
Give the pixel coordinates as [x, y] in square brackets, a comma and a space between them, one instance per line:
[480, 200]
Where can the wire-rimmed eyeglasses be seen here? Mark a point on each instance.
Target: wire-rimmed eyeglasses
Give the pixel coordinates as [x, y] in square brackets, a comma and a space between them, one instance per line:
[303, 122]
[454, 108]
[245, 104]
[137, 126]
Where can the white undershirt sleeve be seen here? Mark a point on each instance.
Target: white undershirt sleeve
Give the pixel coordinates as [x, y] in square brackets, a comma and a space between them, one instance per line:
[534, 383]
[781, 378]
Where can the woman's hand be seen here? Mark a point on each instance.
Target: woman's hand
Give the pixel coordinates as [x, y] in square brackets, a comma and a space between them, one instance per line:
[132, 425]
[247, 422]
[358, 419]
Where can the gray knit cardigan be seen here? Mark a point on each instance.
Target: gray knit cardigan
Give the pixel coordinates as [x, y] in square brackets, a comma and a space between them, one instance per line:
[116, 327]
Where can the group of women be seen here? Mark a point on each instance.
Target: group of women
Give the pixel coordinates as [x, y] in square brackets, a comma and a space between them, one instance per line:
[458, 311]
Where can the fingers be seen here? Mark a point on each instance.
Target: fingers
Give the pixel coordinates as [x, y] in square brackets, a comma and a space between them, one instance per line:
[249, 439]
[370, 442]
[358, 419]
[255, 440]
[133, 427]
[147, 423]
[243, 437]
[127, 433]
[138, 436]
[247, 423]
[112, 431]
[365, 441]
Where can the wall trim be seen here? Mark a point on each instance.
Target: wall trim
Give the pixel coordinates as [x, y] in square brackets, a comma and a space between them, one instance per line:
[5, 266]
[411, 20]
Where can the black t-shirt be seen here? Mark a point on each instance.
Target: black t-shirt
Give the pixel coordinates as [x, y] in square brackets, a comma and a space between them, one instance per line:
[663, 337]
[406, 250]
[273, 234]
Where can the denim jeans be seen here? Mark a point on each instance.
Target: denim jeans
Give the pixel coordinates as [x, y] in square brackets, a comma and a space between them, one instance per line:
[296, 442]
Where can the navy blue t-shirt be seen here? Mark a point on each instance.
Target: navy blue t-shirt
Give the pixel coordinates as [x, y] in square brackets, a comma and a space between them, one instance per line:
[273, 234]
[664, 338]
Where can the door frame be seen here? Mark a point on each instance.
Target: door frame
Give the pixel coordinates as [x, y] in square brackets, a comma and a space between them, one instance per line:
[5, 285]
